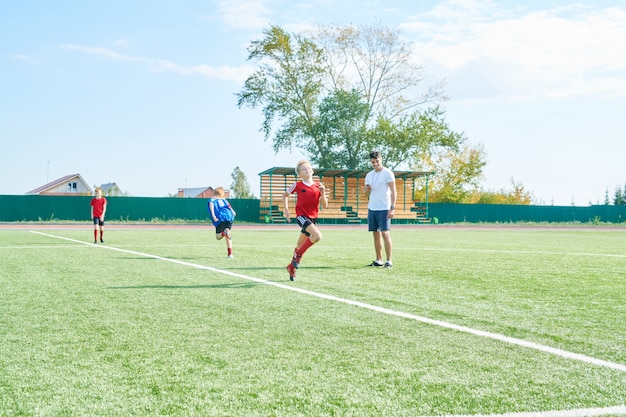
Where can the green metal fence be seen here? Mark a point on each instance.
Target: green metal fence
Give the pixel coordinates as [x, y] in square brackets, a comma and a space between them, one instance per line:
[16, 208]
[496, 213]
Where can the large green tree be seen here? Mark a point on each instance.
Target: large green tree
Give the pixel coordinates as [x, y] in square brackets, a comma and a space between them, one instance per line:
[339, 91]
[287, 85]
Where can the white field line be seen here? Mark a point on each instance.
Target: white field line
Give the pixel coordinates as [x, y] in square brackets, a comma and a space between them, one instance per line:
[518, 251]
[581, 412]
[446, 325]
[402, 249]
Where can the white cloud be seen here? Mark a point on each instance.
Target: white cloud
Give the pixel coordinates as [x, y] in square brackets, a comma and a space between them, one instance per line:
[244, 14]
[22, 57]
[107, 53]
[549, 53]
[227, 73]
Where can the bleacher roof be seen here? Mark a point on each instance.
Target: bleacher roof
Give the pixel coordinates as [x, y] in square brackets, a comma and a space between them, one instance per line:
[343, 172]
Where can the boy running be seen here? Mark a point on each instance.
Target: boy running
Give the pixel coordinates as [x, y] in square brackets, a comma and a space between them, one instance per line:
[309, 194]
[222, 216]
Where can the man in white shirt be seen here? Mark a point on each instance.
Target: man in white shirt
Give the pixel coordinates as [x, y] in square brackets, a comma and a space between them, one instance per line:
[380, 188]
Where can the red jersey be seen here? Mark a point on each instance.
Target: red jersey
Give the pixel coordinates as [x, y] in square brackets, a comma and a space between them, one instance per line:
[98, 206]
[308, 201]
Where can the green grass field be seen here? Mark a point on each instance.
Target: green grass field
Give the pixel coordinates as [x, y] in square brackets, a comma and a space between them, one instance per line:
[157, 322]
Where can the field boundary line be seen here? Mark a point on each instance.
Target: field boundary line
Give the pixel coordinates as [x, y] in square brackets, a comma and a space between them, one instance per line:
[580, 412]
[517, 251]
[464, 329]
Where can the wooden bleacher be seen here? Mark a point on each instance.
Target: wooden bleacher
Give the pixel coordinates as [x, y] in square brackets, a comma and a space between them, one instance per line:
[347, 203]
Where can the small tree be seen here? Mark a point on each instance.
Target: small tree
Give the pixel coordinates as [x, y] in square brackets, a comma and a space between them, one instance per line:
[457, 174]
[240, 186]
[618, 198]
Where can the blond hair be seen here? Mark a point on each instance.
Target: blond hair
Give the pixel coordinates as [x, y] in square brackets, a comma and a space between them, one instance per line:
[219, 191]
[300, 163]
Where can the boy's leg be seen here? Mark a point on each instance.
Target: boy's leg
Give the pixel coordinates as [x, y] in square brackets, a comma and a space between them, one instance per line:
[305, 243]
[229, 243]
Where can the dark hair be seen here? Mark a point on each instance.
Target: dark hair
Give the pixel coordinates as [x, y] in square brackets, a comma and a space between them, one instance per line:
[374, 155]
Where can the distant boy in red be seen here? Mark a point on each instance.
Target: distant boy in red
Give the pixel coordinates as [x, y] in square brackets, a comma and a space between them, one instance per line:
[98, 210]
[309, 194]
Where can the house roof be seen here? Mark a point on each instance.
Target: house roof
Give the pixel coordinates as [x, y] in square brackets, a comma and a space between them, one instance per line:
[193, 192]
[56, 182]
[109, 186]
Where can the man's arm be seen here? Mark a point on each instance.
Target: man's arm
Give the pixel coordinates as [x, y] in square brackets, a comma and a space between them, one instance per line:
[392, 197]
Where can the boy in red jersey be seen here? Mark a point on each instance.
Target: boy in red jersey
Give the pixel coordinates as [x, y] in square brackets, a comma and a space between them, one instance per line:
[309, 194]
[98, 210]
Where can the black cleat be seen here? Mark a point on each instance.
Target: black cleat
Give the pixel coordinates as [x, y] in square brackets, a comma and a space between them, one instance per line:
[292, 272]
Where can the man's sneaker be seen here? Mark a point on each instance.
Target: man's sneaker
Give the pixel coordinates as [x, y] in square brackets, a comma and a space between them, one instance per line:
[292, 272]
[388, 265]
[295, 261]
[376, 263]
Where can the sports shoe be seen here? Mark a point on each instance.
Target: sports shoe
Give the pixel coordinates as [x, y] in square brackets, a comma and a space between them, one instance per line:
[230, 257]
[295, 261]
[101, 240]
[376, 263]
[95, 241]
[292, 272]
[388, 265]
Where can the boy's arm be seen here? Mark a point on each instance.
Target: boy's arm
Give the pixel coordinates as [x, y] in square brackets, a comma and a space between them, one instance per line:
[232, 209]
[286, 206]
[323, 196]
[212, 210]
[104, 210]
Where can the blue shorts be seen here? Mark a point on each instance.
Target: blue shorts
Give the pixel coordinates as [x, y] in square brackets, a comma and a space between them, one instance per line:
[377, 221]
[305, 222]
[96, 220]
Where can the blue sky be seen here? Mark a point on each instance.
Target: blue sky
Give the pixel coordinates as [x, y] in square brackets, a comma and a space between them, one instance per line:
[142, 93]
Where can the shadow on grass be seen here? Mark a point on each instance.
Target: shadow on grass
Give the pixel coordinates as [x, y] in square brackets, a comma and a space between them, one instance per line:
[185, 287]
[276, 268]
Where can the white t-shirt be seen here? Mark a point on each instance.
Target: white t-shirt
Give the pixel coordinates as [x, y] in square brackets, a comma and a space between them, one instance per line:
[380, 193]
